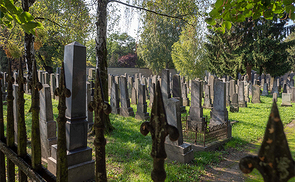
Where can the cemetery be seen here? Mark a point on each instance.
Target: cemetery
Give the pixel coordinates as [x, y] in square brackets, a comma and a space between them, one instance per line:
[203, 92]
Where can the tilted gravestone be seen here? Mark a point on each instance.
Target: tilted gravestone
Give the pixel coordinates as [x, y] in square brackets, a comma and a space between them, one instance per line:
[177, 150]
[47, 123]
[241, 96]
[219, 112]
[141, 113]
[125, 109]
[255, 94]
[265, 90]
[286, 100]
[234, 106]
[114, 102]
[196, 121]
[207, 99]
[79, 155]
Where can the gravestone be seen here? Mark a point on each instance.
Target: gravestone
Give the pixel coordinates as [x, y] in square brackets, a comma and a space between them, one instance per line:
[52, 85]
[45, 78]
[152, 94]
[293, 94]
[207, 99]
[177, 150]
[89, 114]
[275, 97]
[285, 88]
[185, 99]
[232, 88]
[133, 96]
[219, 112]
[272, 80]
[15, 109]
[114, 102]
[265, 90]
[211, 83]
[117, 81]
[227, 85]
[176, 91]
[136, 85]
[47, 123]
[109, 84]
[241, 96]
[234, 106]
[79, 155]
[286, 100]
[165, 86]
[196, 121]
[40, 75]
[142, 113]
[91, 74]
[125, 109]
[255, 94]
[130, 85]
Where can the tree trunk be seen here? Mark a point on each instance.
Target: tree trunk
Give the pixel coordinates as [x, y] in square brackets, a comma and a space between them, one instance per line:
[101, 54]
[248, 68]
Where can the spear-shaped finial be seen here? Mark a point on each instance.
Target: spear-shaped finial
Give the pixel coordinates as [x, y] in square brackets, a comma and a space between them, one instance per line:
[159, 129]
[274, 160]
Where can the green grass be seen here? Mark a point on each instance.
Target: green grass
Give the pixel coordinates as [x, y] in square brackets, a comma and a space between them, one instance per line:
[128, 151]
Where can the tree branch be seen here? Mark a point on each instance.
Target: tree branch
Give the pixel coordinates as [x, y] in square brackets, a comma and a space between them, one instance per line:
[141, 8]
[40, 18]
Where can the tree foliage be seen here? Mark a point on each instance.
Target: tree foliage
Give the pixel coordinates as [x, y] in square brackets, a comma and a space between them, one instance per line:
[254, 44]
[161, 32]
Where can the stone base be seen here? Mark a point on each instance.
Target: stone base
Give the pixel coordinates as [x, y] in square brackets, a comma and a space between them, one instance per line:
[255, 101]
[142, 116]
[126, 112]
[243, 104]
[185, 101]
[234, 108]
[211, 146]
[286, 104]
[180, 153]
[80, 164]
[195, 124]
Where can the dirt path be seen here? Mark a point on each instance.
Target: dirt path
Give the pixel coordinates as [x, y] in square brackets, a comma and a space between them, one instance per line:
[228, 169]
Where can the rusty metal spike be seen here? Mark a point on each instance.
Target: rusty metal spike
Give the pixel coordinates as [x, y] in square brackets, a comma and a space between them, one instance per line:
[274, 160]
[159, 129]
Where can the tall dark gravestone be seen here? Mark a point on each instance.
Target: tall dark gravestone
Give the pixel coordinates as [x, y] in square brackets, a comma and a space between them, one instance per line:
[196, 119]
[176, 91]
[141, 113]
[47, 123]
[80, 163]
[125, 109]
[115, 97]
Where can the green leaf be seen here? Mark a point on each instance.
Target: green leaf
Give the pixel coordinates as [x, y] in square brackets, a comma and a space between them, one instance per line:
[218, 3]
[249, 6]
[227, 24]
[221, 30]
[214, 13]
[210, 21]
[26, 17]
[30, 26]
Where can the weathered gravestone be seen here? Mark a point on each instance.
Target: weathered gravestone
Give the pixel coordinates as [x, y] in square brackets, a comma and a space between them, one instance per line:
[241, 96]
[177, 150]
[109, 84]
[185, 100]
[141, 113]
[125, 109]
[265, 90]
[219, 112]
[152, 94]
[115, 97]
[286, 100]
[227, 85]
[246, 90]
[52, 85]
[275, 97]
[255, 94]
[47, 123]
[207, 100]
[232, 88]
[293, 94]
[79, 156]
[196, 120]
[134, 96]
[165, 86]
[234, 106]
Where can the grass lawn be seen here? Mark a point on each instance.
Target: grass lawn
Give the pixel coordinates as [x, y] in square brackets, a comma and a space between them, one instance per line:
[128, 151]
